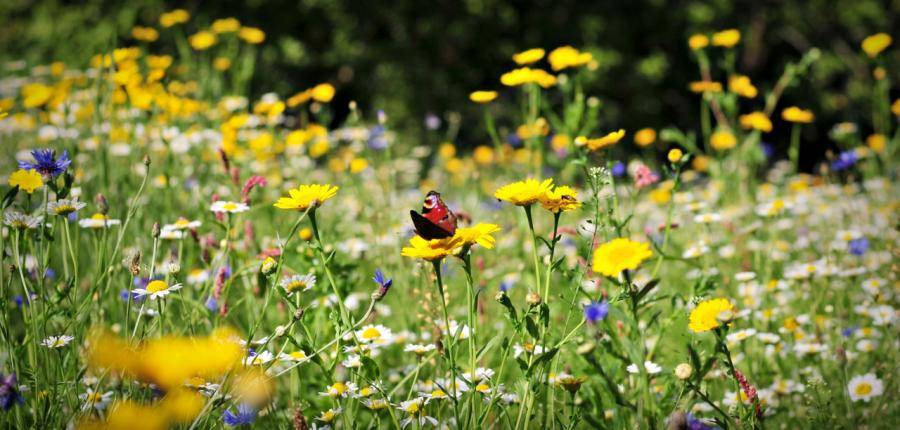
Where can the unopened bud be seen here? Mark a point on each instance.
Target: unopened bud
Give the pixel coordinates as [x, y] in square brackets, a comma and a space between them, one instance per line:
[683, 371]
[146, 159]
[268, 266]
[102, 204]
[135, 266]
[298, 315]
[155, 230]
[533, 299]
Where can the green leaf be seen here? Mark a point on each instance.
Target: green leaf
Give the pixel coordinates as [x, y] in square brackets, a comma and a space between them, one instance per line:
[9, 197]
[532, 327]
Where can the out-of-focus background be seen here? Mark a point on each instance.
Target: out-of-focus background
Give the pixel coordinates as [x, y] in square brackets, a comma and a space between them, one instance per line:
[414, 61]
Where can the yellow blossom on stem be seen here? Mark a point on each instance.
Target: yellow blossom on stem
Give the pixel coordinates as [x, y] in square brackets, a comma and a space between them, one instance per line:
[710, 314]
[620, 254]
[756, 121]
[874, 44]
[524, 193]
[599, 143]
[529, 56]
[797, 115]
[26, 180]
[567, 56]
[560, 199]
[306, 196]
[726, 38]
[483, 96]
[698, 41]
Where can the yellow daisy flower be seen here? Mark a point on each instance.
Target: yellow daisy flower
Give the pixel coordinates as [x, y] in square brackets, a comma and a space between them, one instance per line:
[560, 199]
[26, 180]
[306, 196]
[709, 314]
[617, 255]
[524, 193]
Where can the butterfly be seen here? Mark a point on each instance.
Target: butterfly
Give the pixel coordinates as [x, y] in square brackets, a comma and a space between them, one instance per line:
[436, 221]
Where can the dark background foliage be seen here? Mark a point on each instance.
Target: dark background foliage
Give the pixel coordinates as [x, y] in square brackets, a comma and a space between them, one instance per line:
[412, 57]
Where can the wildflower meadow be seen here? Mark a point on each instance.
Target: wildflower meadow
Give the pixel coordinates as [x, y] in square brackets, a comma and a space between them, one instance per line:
[182, 251]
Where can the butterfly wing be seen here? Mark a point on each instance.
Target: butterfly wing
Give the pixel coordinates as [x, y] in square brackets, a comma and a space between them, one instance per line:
[426, 228]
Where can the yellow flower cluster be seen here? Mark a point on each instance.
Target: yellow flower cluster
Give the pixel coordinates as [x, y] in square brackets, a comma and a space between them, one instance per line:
[458, 244]
[565, 57]
[722, 140]
[175, 17]
[527, 75]
[741, 85]
[710, 314]
[610, 139]
[756, 121]
[322, 93]
[618, 255]
[797, 115]
[552, 198]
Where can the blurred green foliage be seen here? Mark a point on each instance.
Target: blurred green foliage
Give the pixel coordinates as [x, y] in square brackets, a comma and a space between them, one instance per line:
[412, 58]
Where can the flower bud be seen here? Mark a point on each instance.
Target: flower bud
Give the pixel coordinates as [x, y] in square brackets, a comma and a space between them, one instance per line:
[102, 204]
[146, 159]
[533, 299]
[268, 266]
[675, 155]
[155, 230]
[683, 371]
[305, 233]
[298, 315]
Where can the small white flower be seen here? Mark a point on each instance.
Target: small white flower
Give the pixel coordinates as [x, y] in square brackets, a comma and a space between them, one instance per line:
[652, 368]
[222, 206]
[97, 221]
[94, 399]
[156, 289]
[258, 359]
[865, 387]
[57, 341]
[298, 283]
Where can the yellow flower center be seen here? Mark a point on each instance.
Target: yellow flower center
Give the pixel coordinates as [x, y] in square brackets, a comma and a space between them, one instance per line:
[98, 217]
[298, 355]
[229, 206]
[412, 409]
[339, 387]
[94, 398]
[371, 333]
[438, 393]
[863, 388]
[157, 286]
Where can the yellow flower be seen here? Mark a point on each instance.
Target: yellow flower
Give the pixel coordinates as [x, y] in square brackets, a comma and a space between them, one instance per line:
[36, 95]
[483, 96]
[895, 107]
[527, 75]
[675, 155]
[601, 142]
[226, 25]
[430, 250]
[222, 64]
[203, 40]
[726, 38]
[299, 98]
[705, 87]
[144, 34]
[26, 180]
[560, 199]
[358, 165]
[876, 142]
[620, 254]
[483, 155]
[307, 196]
[529, 56]
[874, 44]
[645, 137]
[567, 56]
[797, 115]
[524, 193]
[698, 41]
[322, 93]
[709, 314]
[252, 35]
[459, 243]
[479, 234]
[700, 163]
[756, 121]
[741, 85]
[722, 140]
[177, 16]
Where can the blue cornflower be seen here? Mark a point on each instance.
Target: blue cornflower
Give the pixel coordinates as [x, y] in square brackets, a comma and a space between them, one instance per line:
[507, 284]
[381, 280]
[46, 163]
[768, 149]
[9, 391]
[212, 304]
[696, 424]
[849, 331]
[377, 139]
[514, 140]
[845, 160]
[596, 311]
[245, 416]
[618, 169]
[859, 246]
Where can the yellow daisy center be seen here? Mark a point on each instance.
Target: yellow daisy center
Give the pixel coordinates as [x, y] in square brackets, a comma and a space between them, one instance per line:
[229, 206]
[157, 286]
[371, 333]
[863, 388]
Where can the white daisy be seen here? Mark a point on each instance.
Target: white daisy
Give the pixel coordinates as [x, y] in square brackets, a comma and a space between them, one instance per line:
[156, 289]
[57, 341]
[865, 387]
[298, 283]
[95, 399]
[222, 206]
